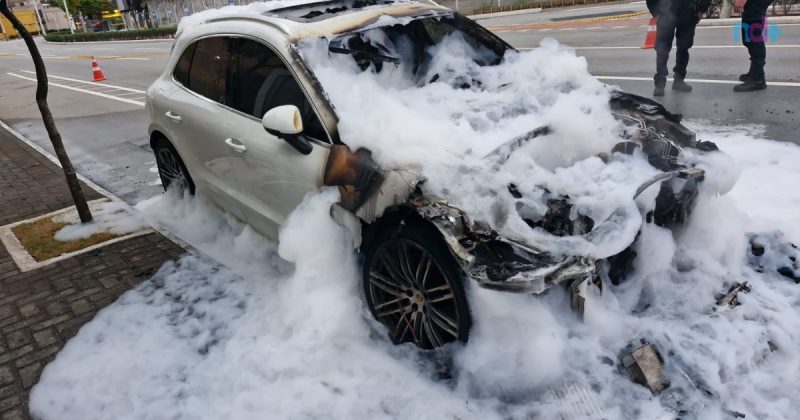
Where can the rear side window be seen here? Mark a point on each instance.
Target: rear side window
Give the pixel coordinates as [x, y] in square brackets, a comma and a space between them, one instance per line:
[181, 72]
[209, 68]
[261, 82]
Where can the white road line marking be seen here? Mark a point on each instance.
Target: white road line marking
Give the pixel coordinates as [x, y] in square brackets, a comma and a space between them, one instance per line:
[711, 81]
[102, 95]
[694, 47]
[733, 26]
[567, 29]
[545, 29]
[594, 27]
[91, 83]
[128, 93]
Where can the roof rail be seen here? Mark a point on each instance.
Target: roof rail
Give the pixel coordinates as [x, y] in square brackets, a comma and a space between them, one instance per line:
[249, 17]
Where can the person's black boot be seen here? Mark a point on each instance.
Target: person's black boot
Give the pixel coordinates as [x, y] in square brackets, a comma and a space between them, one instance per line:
[744, 77]
[659, 91]
[681, 86]
[751, 85]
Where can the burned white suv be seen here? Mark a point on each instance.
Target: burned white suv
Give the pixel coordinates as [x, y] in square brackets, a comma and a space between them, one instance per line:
[240, 115]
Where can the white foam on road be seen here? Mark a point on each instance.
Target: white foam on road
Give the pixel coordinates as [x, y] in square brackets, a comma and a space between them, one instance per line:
[202, 341]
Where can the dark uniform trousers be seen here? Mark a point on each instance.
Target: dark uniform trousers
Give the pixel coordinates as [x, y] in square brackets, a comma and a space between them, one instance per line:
[753, 35]
[682, 30]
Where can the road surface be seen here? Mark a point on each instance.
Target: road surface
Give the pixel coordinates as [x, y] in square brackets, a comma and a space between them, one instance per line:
[103, 124]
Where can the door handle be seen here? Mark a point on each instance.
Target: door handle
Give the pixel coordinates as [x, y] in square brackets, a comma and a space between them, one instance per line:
[173, 116]
[235, 145]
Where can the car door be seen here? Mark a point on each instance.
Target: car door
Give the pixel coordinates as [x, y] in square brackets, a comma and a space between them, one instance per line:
[201, 121]
[273, 177]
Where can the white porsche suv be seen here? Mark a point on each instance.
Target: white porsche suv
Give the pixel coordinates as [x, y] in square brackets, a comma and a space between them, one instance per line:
[239, 116]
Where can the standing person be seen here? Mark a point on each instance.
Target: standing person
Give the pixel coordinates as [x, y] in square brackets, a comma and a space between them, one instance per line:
[675, 19]
[754, 29]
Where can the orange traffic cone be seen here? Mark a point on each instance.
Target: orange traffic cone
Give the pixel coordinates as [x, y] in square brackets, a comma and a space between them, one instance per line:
[650, 38]
[97, 74]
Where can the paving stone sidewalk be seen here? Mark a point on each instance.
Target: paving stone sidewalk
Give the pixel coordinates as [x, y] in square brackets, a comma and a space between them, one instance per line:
[41, 309]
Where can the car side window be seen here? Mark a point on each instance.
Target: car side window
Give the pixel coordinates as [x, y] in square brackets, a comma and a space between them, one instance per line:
[208, 72]
[181, 72]
[261, 81]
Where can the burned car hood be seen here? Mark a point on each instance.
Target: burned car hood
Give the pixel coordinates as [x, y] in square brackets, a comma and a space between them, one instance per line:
[539, 150]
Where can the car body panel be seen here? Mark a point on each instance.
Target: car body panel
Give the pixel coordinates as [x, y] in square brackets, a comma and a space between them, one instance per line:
[266, 182]
[200, 140]
[273, 177]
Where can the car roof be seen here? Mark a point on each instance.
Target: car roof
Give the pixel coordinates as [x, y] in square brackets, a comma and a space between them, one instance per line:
[309, 18]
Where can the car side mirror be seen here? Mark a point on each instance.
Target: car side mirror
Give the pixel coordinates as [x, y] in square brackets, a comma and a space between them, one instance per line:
[286, 123]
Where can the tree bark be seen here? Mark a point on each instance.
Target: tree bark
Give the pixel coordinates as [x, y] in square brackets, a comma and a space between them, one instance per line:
[49, 124]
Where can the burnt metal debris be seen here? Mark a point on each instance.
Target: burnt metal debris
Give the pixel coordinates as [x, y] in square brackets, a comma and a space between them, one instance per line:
[731, 298]
[557, 219]
[644, 366]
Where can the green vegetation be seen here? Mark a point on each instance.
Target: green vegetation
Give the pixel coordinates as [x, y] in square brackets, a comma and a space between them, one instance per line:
[155, 33]
[88, 7]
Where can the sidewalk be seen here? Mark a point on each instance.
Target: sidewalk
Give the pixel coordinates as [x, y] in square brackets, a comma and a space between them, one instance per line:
[41, 309]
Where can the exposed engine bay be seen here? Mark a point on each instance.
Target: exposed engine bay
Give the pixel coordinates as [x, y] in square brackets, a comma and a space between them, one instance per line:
[501, 263]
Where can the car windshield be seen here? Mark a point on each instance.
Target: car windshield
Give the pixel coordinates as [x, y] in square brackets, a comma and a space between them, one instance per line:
[411, 46]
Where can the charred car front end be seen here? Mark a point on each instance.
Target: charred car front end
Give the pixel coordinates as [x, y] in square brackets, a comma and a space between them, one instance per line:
[501, 263]
[375, 200]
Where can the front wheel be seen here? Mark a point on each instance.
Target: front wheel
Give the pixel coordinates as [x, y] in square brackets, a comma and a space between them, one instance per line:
[171, 169]
[414, 286]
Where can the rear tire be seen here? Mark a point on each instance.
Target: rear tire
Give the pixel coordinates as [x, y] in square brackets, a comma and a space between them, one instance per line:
[414, 286]
[171, 168]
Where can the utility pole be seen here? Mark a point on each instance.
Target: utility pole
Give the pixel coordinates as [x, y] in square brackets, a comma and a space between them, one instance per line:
[39, 18]
[69, 19]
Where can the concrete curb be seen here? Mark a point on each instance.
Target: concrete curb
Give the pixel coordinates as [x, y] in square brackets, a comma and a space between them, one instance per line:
[734, 21]
[89, 183]
[501, 14]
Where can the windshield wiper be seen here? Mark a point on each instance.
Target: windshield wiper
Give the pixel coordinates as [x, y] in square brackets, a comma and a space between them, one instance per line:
[338, 47]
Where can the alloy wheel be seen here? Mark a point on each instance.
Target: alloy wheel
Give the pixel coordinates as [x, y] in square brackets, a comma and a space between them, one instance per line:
[412, 295]
[171, 170]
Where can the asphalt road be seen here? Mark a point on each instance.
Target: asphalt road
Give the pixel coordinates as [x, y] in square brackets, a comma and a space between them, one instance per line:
[103, 124]
[105, 137]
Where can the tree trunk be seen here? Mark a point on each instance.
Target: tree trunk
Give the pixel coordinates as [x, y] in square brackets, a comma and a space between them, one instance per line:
[47, 117]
